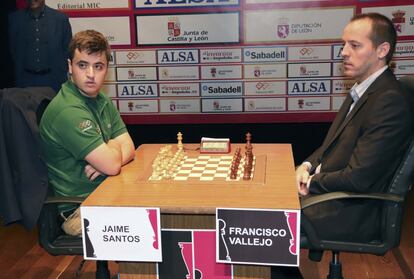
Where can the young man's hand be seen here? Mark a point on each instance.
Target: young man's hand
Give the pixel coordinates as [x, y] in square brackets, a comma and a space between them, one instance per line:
[91, 173]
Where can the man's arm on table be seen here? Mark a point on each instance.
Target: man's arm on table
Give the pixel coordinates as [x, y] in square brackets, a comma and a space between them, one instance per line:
[109, 157]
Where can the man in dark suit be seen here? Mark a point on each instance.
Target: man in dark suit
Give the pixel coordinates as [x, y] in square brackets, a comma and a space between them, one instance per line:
[367, 139]
[39, 39]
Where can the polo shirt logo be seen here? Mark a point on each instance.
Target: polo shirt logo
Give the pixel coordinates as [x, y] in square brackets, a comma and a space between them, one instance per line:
[85, 125]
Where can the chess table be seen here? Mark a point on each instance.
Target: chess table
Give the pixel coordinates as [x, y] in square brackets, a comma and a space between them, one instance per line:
[191, 203]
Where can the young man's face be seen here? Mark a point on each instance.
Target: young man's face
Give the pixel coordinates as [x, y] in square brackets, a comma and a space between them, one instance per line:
[88, 71]
[361, 57]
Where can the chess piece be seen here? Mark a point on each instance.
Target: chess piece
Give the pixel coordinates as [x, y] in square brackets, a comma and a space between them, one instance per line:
[180, 141]
[248, 138]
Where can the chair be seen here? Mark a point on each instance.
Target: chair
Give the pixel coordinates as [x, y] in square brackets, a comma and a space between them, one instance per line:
[392, 206]
[21, 110]
[55, 241]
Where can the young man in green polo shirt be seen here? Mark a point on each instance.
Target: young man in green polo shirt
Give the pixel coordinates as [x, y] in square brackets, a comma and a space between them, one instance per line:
[83, 136]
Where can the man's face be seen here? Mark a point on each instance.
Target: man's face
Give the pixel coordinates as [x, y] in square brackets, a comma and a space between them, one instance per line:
[88, 71]
[35, 4]
[361, 57]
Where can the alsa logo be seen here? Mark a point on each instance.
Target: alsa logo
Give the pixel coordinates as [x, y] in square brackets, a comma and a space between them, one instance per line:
[177, 56]
[147, 90]
[337, 52]
[317, 87]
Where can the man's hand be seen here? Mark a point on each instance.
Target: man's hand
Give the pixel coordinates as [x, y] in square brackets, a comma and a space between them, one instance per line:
[91, 173]
[302, 178]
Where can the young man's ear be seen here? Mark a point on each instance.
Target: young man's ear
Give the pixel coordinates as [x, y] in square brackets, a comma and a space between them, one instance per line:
[70, 66]
[383, 49]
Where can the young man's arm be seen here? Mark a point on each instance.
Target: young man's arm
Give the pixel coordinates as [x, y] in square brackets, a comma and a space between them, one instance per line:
[106, 158]
[127, 147]
[122, 144]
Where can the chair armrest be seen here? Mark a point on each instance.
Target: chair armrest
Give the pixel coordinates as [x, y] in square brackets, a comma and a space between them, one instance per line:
[52, 200]
[313, 200]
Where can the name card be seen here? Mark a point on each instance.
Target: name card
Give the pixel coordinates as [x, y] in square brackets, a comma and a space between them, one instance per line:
[121, 233]
[256, 236]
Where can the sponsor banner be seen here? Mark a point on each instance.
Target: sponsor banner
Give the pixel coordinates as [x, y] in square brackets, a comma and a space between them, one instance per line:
[87, 4]
[219, 89]
[109, 90]
[223, 55]
[177, 56]
[337, 52]
[221, 72]
[337, 102]
[179, 89]
[138, 106]
[264, 104]
[74, 5]
[222, 105]
[264, 54]
[265, 71]
[180, 106]
[187, 4]
[338, 69]
[258, 236]
[309, 87]
[121, 233]
[403, 67]
[137, 90]
[309, 52]
[276, 25]
[136, 73]
[134, 57]
[178, 73]
[191, 254]
[111, 61]
[342, 85]
[401, 16]
[188, 29]
[277, 1]
[301, 70]
[116, 29]
[404, 49]
[264, 87]
[111, 74]
[308, 103]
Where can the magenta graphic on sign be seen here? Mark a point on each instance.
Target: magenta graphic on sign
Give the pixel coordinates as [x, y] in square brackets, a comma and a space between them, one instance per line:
[191, 255]
[152, 215]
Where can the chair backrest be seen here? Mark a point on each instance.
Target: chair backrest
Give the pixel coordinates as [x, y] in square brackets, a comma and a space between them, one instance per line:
[404, 176]
[400, 185]
[23, 176]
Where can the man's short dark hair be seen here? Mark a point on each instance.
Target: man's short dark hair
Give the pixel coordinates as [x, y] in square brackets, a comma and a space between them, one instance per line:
[382, 30]
[90, 41]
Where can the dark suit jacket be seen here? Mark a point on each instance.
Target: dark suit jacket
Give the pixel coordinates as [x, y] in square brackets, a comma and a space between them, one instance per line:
[23, 173]
[360, 154]
[59, 36]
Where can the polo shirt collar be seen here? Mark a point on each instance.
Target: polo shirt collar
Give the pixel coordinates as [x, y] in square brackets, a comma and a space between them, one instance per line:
[99, 100]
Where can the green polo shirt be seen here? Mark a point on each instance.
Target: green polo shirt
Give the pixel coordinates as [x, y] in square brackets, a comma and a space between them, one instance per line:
[71, 127]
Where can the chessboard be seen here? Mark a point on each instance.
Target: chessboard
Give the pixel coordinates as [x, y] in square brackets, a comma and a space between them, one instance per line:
[200, 168]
